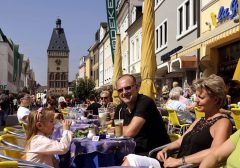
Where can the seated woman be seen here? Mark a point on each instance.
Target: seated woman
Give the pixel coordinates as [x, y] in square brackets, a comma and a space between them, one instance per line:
[229, 151]
[182, 109]
[203, 136]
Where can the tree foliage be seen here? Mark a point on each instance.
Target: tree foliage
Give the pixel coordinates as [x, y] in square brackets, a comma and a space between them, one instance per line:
[83, 87]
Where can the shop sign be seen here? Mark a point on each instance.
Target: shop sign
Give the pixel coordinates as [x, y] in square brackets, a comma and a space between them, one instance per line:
[3, 87]
[228, 13]
[167, 56]
[112, 25]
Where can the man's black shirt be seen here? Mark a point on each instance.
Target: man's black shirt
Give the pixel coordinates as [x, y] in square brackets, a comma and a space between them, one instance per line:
[153, 133]
[94, 107]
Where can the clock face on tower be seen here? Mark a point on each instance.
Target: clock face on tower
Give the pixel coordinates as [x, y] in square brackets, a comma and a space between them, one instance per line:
[58, 62]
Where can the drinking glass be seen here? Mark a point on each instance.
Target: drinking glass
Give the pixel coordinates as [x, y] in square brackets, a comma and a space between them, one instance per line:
[83, 106]
[102, 115]
[118, 127]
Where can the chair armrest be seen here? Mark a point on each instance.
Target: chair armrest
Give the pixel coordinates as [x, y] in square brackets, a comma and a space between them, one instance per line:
[17, 134]
[11, 149]
[156, 149]
[152, 152]
[24, 162]
[11, 145]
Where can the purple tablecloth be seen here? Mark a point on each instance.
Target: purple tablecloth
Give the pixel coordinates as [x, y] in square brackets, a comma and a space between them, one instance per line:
[86, 145]
[106, 152]
[88, 121]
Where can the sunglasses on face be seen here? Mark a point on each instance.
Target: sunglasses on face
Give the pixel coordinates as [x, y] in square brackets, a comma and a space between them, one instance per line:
[127, 88]
[104, 98]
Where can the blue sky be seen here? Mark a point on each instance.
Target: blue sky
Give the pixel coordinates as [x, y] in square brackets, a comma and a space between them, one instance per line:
[29, 23]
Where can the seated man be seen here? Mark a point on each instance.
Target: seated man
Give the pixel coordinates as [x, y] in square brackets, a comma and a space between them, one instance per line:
[142, 120]
[93, 104]
[23, 111]
[105, 97]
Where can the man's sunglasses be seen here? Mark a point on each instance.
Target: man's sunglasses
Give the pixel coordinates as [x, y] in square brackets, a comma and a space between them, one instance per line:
[127, 88]
[104, 98]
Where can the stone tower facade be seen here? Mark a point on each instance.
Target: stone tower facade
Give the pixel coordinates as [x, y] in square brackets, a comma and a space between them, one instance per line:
[58, 62]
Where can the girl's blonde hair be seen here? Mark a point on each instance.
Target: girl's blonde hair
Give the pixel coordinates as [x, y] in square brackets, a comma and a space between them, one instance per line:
[39, 115]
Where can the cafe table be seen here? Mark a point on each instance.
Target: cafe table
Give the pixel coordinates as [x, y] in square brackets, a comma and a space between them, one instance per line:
[85, 153]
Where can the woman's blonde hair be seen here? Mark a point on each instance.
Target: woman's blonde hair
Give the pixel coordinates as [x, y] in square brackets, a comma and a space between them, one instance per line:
[215, 87]
[39, 115]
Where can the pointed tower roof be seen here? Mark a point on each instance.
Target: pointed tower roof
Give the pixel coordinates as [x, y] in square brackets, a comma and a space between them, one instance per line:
[58, 40]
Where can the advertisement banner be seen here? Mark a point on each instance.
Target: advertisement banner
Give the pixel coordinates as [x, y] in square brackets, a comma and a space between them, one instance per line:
[112, 26]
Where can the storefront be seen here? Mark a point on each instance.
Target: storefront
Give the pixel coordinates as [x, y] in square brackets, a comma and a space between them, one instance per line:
[228, 58]
[219, 42]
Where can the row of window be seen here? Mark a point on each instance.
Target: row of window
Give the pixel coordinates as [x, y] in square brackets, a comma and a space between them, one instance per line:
[58, 53]
[57, 76]
[57, 84]
[186, 22]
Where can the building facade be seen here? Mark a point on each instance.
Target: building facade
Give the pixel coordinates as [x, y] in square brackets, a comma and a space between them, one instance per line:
[58, 62]
[175, 29]
[123, 23]
[82, 67]
[88, 67]
[102, 34]
[135, 40]
[94, 54]
[7, 63]
[220, 39]
[11, 66]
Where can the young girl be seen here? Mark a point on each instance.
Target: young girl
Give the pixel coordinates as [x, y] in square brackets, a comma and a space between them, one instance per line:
[39, 147]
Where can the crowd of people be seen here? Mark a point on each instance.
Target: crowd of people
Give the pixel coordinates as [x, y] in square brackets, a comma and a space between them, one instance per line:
[209, 137]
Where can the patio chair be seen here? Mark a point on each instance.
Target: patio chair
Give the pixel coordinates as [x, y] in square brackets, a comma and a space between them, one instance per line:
[198, 114]
[235, 112]
[174, 123]
[12, 162]
[8, 142]
[233, 106]
[8, 164]
[153, 153]
[14, 131]
[174, 137]
[163, 113]
[23, 125]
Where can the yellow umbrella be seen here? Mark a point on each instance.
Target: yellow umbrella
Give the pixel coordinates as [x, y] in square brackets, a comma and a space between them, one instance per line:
[148, 60]
[117, 71]
[236, 75]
